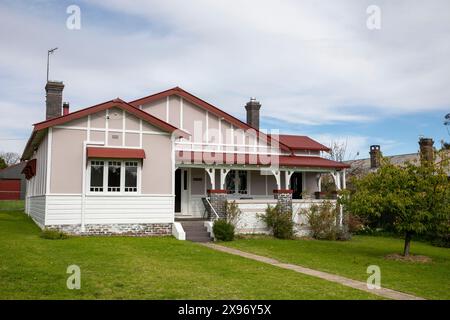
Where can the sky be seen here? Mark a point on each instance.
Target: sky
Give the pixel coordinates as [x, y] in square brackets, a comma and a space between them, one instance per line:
[315, 66]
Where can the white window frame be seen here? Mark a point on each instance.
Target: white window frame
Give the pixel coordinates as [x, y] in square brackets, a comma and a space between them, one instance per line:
[122, 177]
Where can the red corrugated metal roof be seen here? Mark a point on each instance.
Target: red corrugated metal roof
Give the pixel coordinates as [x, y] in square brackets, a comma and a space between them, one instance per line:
[216, 158]
[115, 153]
[301, 143]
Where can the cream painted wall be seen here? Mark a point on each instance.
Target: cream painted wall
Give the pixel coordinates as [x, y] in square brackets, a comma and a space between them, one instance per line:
[37, 185]
[67, 151]
[258, 184]
[98, 119]
[67, 158]
[218, 129]
[157, 166]
[198, 176]
[174, 111]
[156, 108]
[311, 183]
[191, 115]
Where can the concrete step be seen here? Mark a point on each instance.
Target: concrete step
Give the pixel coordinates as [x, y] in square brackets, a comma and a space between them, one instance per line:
[194, 228]
[196, 231]
[192, 223]
[199, 238]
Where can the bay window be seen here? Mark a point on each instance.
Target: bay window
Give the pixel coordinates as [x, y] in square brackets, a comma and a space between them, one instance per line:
[113, 176]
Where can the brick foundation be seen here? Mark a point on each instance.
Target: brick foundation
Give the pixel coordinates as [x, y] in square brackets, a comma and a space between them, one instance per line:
[284, 199]
[122, 229]
[218, 199]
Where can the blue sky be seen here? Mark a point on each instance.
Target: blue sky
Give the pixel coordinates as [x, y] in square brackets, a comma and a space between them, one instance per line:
[314, 65]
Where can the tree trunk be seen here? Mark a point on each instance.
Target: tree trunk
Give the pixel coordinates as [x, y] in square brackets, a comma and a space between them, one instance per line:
[408, 237]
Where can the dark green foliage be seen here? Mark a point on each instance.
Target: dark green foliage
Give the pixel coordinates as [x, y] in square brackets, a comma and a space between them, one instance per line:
[53, 234]
[412, 199]
[323, 222]
[279, 222]
[3, 164]
[233, 213]
[223, 230]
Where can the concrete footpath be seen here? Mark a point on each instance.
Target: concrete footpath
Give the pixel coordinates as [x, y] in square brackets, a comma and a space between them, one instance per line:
[383, 292]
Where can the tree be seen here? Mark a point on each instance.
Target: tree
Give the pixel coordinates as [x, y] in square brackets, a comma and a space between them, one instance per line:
[337, 152]
[415, 196]
[2, 163]
[10, 158]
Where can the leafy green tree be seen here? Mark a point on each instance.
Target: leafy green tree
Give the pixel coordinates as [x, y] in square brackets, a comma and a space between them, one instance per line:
[2, 163]
[415, 196]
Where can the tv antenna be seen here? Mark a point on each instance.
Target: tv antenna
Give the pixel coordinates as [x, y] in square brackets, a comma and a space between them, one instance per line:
[49, 52]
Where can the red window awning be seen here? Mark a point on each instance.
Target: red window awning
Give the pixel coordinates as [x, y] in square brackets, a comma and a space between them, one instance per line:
[30, 169]
[117, 153]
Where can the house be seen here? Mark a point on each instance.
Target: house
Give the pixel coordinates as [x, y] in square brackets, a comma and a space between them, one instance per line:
[363, 166]
[12, 182]
[139, 167]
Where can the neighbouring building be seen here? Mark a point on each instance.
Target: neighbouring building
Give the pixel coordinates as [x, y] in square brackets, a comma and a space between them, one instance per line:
[362, 166]
[12, 182]
[138, 167]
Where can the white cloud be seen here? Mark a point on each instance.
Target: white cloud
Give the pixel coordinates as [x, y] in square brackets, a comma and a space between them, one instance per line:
[308, 62]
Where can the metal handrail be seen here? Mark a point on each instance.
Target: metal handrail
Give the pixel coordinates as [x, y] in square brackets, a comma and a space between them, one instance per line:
[213, 210]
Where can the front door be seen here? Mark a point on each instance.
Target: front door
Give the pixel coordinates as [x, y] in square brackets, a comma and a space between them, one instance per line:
[182, 191]
[178, 191]
[185, 187]
[296, 185]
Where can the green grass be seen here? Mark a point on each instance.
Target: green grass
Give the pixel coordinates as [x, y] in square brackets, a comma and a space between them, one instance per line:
[13, 205]
[351, 258]
[141, 268]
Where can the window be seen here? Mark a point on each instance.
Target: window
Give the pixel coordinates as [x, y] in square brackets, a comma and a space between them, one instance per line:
[97, 176]
[131, 176]
[236, 182]
[113, 176]
[114, 168]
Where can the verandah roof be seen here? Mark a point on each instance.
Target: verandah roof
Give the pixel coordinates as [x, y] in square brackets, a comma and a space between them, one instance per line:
[220, 158]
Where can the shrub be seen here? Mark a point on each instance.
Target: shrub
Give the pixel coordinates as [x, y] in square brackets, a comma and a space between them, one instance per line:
[53, 234]
[354, 223]
[279, 222]
[223, 230]
[233, 213]
[323, 222]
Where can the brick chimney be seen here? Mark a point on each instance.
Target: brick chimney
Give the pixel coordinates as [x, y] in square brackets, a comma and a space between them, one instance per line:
[252, 108]
[375, 156]
[426, 149]
[65, 108]
[53, 90]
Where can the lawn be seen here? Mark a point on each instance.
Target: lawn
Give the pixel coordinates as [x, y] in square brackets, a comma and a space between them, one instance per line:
[141, 268]
[351, 258]
[14, 205]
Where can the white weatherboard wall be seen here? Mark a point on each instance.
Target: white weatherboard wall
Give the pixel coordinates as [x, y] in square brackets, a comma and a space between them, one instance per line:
[66, 209]
[36, 186]
[250, 222]
[36, 209]
[299, 209]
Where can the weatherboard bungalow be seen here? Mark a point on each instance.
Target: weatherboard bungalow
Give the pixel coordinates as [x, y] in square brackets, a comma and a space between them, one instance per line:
[140, 167]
